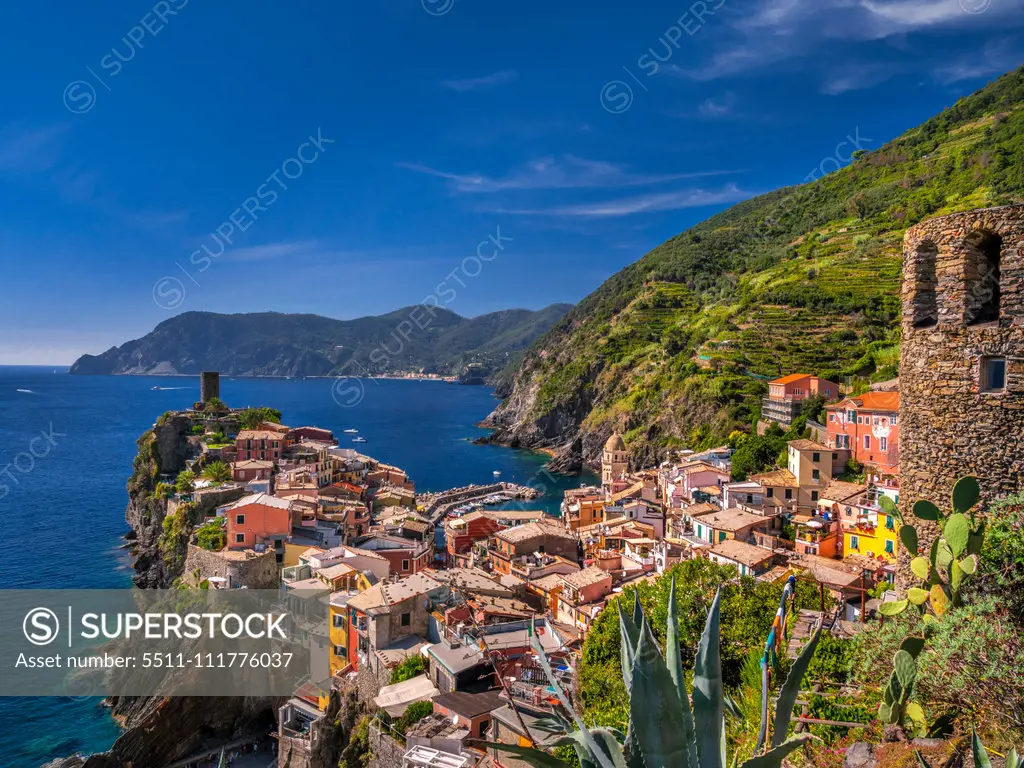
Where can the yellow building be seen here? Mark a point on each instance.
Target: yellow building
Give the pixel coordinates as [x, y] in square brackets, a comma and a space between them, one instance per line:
[874, 534]
[340, 658]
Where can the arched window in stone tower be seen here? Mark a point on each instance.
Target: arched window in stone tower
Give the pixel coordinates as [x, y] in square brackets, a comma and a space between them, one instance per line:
[926, 312]
[982, 250]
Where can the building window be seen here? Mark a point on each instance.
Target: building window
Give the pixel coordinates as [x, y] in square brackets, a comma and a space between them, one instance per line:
[890, 547]
[926, 313]
[338, 621]
[789, 493]
[893, 419]
[406, 619]
[883, 444]
[750, 498]
[814, 495]
[815, 457]
[993, 374]
[831, 417]
[341, 650]
[851, 416]
[770, 493]
[854, 542]
[867, 442]
[239, 538]
[889, 523]
[405, 565]
[239, 519]
[982, 277]
[816, 474]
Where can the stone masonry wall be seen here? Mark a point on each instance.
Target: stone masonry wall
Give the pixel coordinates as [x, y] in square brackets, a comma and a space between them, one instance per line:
[258, 572]
[949, 426]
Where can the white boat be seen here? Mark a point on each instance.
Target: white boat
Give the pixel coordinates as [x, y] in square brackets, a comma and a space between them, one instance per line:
[358, 439]
[496, 473]
[351, 431]
[155, 389]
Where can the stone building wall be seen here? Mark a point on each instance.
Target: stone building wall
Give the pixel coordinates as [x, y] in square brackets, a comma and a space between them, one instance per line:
[257, 572]
[949, 424]
[385, 752]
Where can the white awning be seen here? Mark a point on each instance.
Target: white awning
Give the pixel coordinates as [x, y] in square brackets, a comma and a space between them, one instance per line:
[394, 699]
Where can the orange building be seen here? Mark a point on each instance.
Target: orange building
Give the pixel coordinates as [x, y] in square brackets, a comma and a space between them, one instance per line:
[866, 427]
[786, 396]
[257, 519]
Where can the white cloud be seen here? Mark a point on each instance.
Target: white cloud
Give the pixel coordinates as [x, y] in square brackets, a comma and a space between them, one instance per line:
[772, 31]
[723, 106]
[567, 172]
[503, 77]
[626, 206]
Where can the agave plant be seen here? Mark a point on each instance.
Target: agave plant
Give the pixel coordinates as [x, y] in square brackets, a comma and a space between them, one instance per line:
[665, 731]
[981, 758]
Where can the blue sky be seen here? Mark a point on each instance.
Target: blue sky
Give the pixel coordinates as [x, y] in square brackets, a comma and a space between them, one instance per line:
[584, 133]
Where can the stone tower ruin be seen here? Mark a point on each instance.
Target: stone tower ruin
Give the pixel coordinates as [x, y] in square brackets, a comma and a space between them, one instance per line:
[962, 355]
[209, 385]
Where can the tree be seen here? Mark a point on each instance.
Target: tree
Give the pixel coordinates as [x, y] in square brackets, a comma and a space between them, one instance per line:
[217, 472]
[216, 404]
[211, 536]
[185, 482]
[251, 418]
[408, 669]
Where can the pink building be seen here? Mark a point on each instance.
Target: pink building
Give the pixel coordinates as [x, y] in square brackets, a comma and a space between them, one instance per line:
[786, 396]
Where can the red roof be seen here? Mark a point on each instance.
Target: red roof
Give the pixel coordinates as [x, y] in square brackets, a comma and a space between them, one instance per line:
[790, 378]
[871, 401]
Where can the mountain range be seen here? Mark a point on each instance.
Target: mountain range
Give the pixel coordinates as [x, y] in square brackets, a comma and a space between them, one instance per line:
[413, 339]
[674, 350]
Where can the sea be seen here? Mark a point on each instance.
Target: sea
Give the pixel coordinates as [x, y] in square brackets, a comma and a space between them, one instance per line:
[66, 449]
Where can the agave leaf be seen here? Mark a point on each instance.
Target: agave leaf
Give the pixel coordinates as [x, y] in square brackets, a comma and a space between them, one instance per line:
[606, 741]
[774, 758]
[527, 754]
[965, 494]
[629, 635]
[790, 690]
[1012, 761]
[956, 531]
[919, 566]
[674, 661]
[925, 510]
[893, 607]
[655, 712]
[542, 659]
[912, 645]
[638, 610]
[981, 758]
[908, 535]
[708, 707]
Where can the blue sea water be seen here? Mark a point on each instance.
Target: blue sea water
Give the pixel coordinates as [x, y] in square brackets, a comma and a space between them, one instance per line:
[66, 449]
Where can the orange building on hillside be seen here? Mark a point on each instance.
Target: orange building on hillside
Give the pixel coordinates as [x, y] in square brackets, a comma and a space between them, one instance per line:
[258, 519]
[866, 427]
[786, 396]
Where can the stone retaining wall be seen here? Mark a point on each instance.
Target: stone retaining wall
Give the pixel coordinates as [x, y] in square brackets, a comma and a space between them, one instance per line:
[257, 572]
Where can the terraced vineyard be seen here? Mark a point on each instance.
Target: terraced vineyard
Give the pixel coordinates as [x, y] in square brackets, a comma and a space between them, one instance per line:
[674, 349]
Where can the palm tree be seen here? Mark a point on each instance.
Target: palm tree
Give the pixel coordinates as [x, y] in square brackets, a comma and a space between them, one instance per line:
[185, 482]
[217, 472]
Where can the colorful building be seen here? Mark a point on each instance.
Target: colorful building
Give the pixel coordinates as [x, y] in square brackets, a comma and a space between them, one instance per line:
[866, 428]
[786, 396]
[260, 444]
[258, 519]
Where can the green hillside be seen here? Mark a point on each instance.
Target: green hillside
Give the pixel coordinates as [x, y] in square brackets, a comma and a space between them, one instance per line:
[674, 349]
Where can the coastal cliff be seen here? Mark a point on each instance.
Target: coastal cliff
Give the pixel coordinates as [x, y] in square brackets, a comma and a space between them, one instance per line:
[160, 730]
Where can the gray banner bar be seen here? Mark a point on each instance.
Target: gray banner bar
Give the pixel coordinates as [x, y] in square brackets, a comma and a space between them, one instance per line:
[238, 642]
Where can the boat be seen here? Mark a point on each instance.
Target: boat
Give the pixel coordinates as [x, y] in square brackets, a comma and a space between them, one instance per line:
[154, 389]
[351, 431]
[496, 473]
[358, 439]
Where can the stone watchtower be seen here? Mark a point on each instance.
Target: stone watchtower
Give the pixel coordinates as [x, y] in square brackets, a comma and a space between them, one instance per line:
[209, 385]
[962, 357]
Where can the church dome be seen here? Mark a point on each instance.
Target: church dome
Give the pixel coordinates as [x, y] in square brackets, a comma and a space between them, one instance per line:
[615, 443]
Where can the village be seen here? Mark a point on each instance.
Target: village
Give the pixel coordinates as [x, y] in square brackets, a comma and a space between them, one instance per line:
[434, 597]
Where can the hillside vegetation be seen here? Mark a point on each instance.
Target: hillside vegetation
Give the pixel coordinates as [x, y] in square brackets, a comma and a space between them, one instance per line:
[431, 339]
[674, 349]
